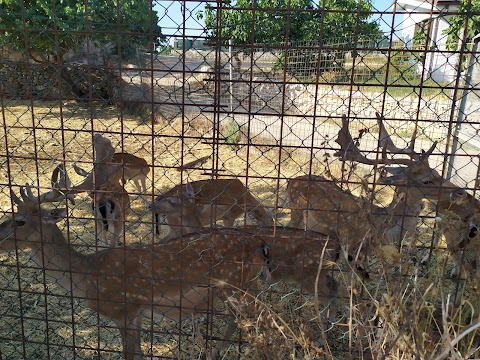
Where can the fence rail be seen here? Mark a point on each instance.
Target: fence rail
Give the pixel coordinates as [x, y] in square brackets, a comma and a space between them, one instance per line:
[241, 172]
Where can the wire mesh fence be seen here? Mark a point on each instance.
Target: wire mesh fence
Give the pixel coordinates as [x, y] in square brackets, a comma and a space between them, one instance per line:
[311, 195]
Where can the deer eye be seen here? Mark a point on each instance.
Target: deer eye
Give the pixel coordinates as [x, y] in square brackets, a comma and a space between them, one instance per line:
[19, 223]
[428, 182]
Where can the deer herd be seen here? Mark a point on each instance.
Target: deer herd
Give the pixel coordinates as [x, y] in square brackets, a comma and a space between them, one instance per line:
[175, 275]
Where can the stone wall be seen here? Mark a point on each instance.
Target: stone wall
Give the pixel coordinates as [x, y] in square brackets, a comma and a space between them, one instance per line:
[22, 80]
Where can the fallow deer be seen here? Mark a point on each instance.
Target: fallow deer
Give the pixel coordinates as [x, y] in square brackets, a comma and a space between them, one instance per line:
[131, 168]
[134, 169]
[131, 283]
[110, 204]
[110, 201]
[103, 173]
[290, 241]
[452, 202]
[325, 207]
[215, 199]
[418, 175]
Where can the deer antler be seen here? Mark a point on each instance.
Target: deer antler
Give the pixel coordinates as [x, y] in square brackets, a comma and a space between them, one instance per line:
[348, 148]
[350, 151]
[386, 141]
[61, 187]
[80, 171]
[418, 171]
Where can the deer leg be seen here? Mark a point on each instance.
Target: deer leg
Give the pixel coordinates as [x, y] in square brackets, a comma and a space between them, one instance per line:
[130, 331]
[157, 225]
[244, 306]
[296, 219]
[142, 188]
[101, 227]
[228, 214]
[117, 226]
[221, 344]
[262, 216]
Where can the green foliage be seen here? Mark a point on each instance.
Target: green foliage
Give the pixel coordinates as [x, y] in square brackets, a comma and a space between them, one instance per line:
[165, 49]
[403, 64]
[275, 21]
[465, 20]
[55, 27]
[231, 132]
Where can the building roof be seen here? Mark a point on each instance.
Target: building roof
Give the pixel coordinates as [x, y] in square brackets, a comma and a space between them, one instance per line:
[427, 4]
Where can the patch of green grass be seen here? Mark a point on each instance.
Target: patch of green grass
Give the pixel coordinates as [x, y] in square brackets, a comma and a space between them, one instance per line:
[232, 132]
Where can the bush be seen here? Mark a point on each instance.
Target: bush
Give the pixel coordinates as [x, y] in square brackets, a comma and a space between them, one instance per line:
[231, 132]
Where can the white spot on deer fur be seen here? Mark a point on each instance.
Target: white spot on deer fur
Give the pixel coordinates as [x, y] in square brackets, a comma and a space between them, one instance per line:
[138, 297]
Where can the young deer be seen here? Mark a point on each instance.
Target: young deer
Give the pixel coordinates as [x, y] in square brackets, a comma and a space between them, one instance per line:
[131, 283]
[215, 199]
[134, 169]
[130, 168]
[294, 245]
[110, 204]
[110, 201]
[104, 173]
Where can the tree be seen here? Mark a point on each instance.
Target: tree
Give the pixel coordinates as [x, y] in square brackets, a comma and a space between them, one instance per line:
[464, 20]
[45, 27]
[274, 21]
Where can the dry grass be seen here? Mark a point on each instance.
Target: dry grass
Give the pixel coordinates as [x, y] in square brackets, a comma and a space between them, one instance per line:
[396, 315]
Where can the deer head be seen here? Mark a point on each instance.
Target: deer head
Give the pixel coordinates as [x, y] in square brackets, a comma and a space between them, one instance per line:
[27, 221]
[415, 171]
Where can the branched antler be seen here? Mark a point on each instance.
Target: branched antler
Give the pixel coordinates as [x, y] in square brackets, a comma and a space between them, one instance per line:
[386, 141]
[349, 149]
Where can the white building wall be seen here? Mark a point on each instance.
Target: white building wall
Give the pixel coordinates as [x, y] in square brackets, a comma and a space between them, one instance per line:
[440, 66]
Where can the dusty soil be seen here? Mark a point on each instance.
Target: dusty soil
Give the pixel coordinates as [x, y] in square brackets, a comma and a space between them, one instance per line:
[40, 322]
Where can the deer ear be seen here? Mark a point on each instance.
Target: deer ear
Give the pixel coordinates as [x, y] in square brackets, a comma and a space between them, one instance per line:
[189, 194]
[189, 190]
[54, 216]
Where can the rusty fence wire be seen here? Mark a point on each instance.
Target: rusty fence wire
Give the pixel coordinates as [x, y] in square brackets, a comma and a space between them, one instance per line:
[320, 193]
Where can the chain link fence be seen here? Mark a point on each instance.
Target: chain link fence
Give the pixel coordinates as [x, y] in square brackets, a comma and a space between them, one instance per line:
[235, 177]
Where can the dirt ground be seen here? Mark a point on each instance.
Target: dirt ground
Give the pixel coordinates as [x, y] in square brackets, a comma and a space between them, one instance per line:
[40, 322]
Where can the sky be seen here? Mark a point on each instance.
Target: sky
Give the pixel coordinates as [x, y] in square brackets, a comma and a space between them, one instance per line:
[171, 17]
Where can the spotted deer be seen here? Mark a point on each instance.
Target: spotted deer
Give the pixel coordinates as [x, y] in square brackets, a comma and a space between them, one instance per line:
[110, 204]
[104, 173]
[323, 205]
[110, 200]
[294, 246]
[129, 284]
[131, 168]
[414, 179]
[453, 204]
[215, 199]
